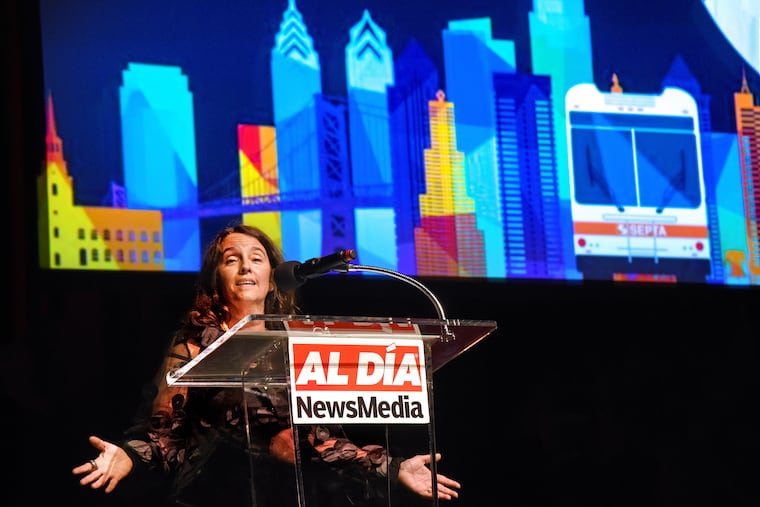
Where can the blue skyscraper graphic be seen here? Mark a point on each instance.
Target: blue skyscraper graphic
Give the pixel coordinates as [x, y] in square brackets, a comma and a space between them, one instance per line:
[369, 70]
[296, 81]
[560, 39]
[527, 176]
[158, 146]
[471, 57]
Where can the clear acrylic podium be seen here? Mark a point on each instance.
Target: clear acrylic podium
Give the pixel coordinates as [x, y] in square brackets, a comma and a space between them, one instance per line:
[339, 370]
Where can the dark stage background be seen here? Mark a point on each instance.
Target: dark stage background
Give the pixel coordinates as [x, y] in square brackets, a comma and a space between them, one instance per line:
[586, 394]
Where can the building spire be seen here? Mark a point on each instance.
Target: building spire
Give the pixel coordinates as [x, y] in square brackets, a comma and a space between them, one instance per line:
[53, 143]
[745, 86]
[616, 88]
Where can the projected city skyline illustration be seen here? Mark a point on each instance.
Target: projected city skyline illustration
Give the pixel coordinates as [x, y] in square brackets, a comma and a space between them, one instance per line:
[495, 142]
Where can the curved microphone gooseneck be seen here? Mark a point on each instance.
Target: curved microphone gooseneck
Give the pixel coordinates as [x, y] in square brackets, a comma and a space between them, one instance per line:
[447, 334]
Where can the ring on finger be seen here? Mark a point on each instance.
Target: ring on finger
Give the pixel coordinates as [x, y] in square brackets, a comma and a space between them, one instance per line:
[93, 465]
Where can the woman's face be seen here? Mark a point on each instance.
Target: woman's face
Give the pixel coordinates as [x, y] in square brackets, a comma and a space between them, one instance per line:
[245, 273]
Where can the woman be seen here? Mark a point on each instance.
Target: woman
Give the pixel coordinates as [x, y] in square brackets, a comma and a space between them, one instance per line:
[193, 449]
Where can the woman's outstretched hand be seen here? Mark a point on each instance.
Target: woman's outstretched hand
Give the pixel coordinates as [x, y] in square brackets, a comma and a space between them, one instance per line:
[107, 468]
[415, 475]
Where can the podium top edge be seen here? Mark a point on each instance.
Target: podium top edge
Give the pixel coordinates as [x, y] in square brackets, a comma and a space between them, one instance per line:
[367, 319]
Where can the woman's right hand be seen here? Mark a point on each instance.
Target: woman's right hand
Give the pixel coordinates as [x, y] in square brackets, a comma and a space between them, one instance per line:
[110, 466]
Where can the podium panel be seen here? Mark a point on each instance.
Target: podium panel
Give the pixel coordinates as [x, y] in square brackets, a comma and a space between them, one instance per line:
[254, 354]
[360, 372]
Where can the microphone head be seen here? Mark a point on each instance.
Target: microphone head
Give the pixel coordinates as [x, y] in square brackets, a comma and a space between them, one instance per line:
[285, 275]
[292, 274]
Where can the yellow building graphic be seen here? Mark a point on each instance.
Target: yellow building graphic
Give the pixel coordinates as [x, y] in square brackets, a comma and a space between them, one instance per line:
[90, 237]
[447, 242]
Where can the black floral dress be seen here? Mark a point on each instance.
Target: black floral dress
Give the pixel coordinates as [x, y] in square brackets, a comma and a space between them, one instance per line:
[211, 446]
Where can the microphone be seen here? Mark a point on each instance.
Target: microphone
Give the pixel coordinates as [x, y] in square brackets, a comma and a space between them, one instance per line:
[292, 274]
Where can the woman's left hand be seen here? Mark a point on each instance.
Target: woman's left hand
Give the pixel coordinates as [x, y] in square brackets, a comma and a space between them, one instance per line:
[415, 475]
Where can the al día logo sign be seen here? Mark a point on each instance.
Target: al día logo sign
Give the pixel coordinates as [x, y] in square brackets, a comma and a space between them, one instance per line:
[358, 380]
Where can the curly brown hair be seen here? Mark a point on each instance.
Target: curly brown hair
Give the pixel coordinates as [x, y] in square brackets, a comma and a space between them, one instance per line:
[208, 308]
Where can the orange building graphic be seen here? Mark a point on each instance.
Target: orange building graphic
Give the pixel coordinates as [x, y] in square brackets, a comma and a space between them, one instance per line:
[748, 130]
[257, 150]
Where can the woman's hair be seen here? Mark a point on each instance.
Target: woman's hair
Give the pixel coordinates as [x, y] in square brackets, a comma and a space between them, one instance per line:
[208, 307]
